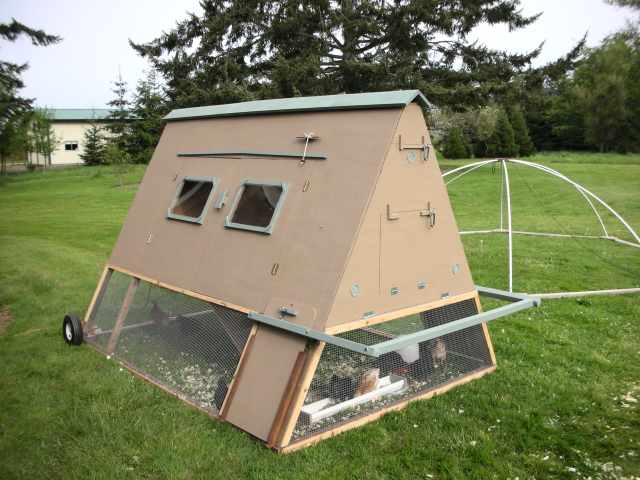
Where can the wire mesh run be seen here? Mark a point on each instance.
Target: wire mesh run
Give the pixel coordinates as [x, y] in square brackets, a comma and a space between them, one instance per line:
[348, 385]
[189, 346]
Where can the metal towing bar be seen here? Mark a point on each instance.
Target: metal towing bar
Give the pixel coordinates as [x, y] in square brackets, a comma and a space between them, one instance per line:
[519, 301]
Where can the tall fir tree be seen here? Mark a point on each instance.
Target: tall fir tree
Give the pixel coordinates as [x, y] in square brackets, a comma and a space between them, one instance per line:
[12, 104]
[93, 148]
[237, 50]
[118, 125]
[522, 139]
[455, 144]
[148, 109]
[502, 143]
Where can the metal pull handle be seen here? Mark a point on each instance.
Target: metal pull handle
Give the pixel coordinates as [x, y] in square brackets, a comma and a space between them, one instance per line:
[430, 214]
[222, 200]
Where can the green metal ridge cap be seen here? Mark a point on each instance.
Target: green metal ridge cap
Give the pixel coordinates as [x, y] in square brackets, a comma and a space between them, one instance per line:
[350, 101]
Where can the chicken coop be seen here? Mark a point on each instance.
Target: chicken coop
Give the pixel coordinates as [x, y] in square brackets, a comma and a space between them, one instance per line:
[293, 267]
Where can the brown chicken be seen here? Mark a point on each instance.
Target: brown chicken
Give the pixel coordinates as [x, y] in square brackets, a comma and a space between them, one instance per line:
[439, 353]
[368, 381]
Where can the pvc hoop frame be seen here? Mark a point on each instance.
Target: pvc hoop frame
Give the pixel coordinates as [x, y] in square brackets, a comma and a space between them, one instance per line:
[586, 194]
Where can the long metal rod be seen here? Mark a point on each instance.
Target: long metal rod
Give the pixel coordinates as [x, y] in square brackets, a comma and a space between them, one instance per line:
[522, 302]
[588, 293]
[310, 333]
[480, 232]
[508, 296]
[434, 332]
[510, 232]
[252, 153]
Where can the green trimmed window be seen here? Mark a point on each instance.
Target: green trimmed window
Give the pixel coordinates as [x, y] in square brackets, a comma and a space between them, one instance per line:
[257, 206]
[192, 199]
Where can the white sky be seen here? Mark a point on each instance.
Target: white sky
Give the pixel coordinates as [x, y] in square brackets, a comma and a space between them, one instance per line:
[78, 71]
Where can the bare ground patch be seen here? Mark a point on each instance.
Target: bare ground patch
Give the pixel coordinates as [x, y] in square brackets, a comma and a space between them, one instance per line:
[5, 319]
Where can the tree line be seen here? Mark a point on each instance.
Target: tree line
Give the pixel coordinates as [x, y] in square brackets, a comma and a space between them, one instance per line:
[486, 102]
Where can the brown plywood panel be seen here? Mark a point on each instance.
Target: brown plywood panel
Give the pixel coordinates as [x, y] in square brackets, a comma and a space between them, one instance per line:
[399, 253]
[265, 376]
[315, 229]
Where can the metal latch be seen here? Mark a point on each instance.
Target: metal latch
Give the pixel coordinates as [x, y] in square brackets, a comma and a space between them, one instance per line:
[430, 214]
[221, 201]
[307, 137]
[288, 311]
[423, 146]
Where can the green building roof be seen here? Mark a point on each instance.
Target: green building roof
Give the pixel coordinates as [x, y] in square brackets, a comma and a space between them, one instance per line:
[351, 101]
[78, 114]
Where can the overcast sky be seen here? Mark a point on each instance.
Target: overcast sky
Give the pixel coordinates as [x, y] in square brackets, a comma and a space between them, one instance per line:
[78, 71]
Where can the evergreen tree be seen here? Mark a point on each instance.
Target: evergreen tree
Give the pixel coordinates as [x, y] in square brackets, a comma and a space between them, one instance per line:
[149, 108]
[119, 160]
[118, 125]
[11, 104]
[541, 92]
[502, 143]
[14, 140]
[43, 137]
[93, 148]
[626, 3]
[456, 145]
[237, 50]
[523, 141]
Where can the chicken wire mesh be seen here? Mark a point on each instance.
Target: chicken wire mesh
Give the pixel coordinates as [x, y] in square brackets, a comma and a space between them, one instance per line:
[348, 385]
[187, 345]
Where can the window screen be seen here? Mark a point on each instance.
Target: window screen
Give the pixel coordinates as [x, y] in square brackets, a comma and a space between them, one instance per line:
[192, 199]
[257, 206]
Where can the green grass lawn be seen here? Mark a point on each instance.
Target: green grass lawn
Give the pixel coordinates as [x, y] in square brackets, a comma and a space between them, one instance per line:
[563, 403]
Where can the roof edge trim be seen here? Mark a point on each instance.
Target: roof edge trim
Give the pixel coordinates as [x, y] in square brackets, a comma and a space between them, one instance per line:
[352, 101]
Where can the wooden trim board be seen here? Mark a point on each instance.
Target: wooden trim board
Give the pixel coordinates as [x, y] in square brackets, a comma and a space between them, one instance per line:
[300, 393]
[122, 315]
[238, 373]
[306, 442]
[485, 330]
[287, 398]
[403, 312]
[155, 383]
[197, 295]
[98, 293]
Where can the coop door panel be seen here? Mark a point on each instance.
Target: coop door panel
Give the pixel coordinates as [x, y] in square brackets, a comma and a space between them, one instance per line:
[347, 385]
[188, 346]
[414, 257]
[266, 372]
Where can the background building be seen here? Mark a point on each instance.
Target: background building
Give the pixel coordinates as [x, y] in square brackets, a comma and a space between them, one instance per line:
[70, 125]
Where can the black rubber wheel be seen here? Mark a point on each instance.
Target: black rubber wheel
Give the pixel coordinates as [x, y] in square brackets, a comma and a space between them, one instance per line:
[72, 329]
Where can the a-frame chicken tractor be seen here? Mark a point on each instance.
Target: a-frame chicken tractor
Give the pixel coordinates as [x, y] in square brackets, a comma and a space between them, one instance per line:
[293, 267]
